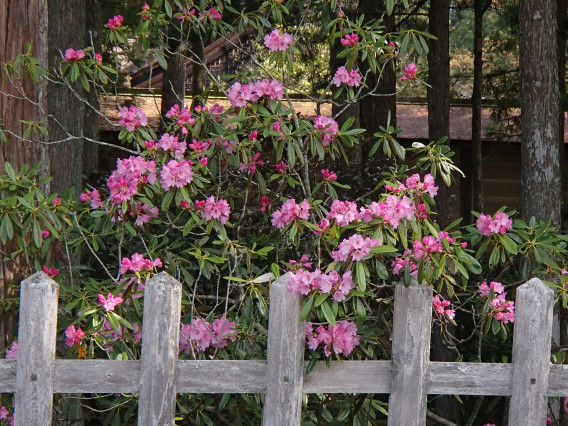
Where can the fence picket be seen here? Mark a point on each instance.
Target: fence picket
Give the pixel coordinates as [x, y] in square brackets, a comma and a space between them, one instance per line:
[37, 334]
[286, 343]
[410, 354]
[531, 353]
[160, 345]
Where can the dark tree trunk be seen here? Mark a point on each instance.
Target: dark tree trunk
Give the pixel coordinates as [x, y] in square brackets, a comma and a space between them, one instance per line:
[173, 84]
[438, 127]
[479, 6]
[374, 110]
[539, 110]
[439, 91]
[198, 77]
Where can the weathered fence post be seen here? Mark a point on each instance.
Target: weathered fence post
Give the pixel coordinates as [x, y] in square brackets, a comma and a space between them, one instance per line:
[37, 331]
[410, 354]
[160, 345]
[286, 345]
[531, 353]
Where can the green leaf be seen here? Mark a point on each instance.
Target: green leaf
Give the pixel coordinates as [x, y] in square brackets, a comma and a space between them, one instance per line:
[167, 200]
[328, 313]
[320, 299]
[361, 271]
[307, 307]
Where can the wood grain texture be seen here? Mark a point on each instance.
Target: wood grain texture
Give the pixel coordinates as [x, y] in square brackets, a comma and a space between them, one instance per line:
[286, 346]
[531, 353]
[410, 354]
[36, 350]
[160, 346]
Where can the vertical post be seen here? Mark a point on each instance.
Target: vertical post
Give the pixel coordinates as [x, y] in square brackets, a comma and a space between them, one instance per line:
[160, 346]
[410, 354]
[37, 331]
[286, 345]
[531, 353]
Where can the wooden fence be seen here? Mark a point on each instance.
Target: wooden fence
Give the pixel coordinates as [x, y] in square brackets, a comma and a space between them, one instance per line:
[409, 377]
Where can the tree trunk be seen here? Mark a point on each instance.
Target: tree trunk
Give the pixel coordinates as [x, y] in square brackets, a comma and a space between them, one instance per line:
[173, 84]
[539, 110]
[198, 77]
[21, 22]
[479, 6]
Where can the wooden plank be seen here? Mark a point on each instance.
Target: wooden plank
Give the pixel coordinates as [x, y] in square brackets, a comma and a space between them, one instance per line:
[531, 353]
[7, 375]
[286, 345]
[469, 378]
[558, 380]
[410, 353]
[96, 376]
[36, 350]
[217, 376]
[160, 347]
[349, 377]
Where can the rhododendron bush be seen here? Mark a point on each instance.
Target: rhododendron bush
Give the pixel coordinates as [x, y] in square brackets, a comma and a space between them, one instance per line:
[227, 199]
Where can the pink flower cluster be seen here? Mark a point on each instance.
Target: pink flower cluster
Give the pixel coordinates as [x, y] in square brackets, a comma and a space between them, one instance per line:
[12, 351]
[343, 212]
[115, 22]
[115, 335]
[252, 164]
[145, 10]
[132, 118]
[211, 13]
[94, 197]
[440, 307]
[50, 272]
[350, 78]
[276, 42]
[306, 282]
[216, 210]
[110, 302]
[410, 72]
[137, 263]
[130, 172]
[328, 126]
[4, 413]
[170, 143]
[427, 186]
[503, 310]
[340, 338]
[203, 334]
[350, 40]
[421, 250]
[264, 203]
[176, 174]
[498, 225]
[290, 212]
[183, 117]
[239, 94]
[356, 246]
[73, 335]
[144, 213]
[74, 55]
[328, 175]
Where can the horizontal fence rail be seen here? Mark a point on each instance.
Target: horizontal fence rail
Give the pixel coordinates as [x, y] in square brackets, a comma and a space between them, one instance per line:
[159, 375]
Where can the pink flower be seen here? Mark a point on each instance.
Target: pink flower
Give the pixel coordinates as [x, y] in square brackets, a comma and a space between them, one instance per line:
[51, 272]
[44, 233]
[137, 263]
[115, 22]
[350, 40]
[74, 55]
[328, 126]
[253, 136]
[350, 78]
[410, 72]
[73, 335]
[328, 175]
[98, 59]
[264, 203]
[176, 174]
[356, 246]
[169, 143]
[12, 351]
[144, 213]
[340, 338]
[145, 10]
[281, 167]
[110, 302]
[290, 212]
[499, 225]
[132, 118]
[56, 202]
[252, 164]
[497, 288]
[199, 146]
[136, 332]
[3, 413]
[343, 212]
[276, 42]
[428, 186]
[203, 334]
[216, 210]
[440, 307]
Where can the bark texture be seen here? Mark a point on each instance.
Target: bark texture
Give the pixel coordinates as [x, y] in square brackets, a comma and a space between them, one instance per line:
[539, 110]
